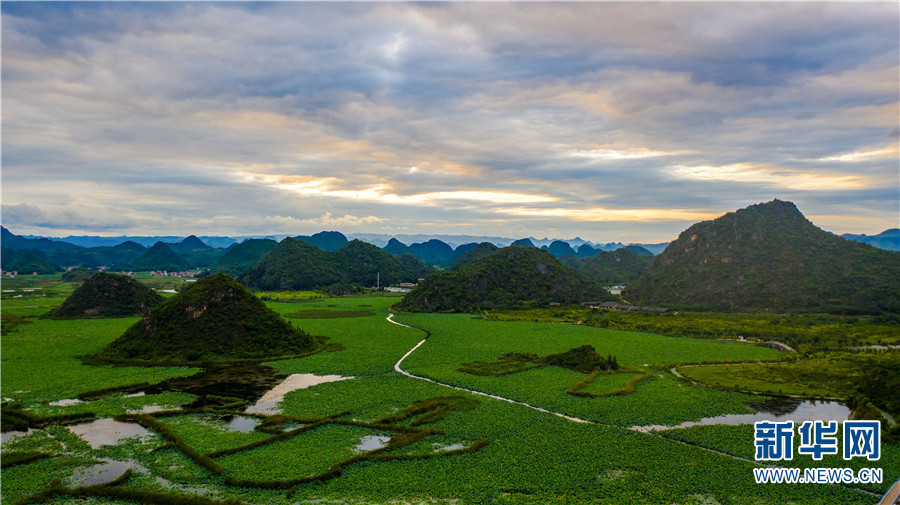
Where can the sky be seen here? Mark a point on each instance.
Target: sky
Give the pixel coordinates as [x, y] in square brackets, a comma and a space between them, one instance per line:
[607, 121]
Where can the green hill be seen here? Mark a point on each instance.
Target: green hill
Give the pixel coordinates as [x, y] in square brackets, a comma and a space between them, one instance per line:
[615, 267]
[215, 318]
[768, 257]
[639, 250]
[416, 268]
[512, 277]
[241, 257]
[327, 240]
[479, 251]
[195, 252]
[293, 265]
[586, 251]
[396, 247]
[159, 257]
[78, 275]
[559, 248]
[28, 261]
[107, 295]
[361, 263]
[433, 253]
[297, 265]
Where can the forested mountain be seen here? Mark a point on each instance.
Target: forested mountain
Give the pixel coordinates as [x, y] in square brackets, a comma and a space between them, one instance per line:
[241, 257]
[479, 251]
[215, 318]
[26, 262]
[433, 252]
[107, 295]
[769, 257]
[297, 265]
[512, 277]
[159, 257]
[395, 247]
[523, 242]
[326, 240]
[195, 252]
[615, 267]
[559, 248]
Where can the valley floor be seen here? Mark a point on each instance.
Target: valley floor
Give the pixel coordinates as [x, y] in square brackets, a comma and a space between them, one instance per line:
[465, 448]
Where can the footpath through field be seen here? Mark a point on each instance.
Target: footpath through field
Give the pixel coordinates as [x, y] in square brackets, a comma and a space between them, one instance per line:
[390, 319]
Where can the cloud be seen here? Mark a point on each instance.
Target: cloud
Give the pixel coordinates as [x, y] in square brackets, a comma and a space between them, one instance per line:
[489, 116]
[769, 175]
[96, 218]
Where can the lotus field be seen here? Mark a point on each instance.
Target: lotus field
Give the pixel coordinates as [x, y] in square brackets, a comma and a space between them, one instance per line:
[379, 436]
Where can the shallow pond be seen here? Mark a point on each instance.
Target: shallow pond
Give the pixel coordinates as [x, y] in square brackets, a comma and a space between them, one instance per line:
[268, 402]
[101, 473]
[107, 431]
[779, 409]
[371, 442]
[243, 424]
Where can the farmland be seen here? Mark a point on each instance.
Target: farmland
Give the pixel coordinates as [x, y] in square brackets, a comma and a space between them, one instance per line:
[469, 448]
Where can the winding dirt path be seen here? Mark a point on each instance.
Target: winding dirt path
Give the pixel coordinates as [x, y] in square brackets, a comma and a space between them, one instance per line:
[481, 393]
[390, 319]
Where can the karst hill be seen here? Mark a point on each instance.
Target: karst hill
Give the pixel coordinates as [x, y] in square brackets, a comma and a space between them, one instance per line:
[214, 319]
[769, 257]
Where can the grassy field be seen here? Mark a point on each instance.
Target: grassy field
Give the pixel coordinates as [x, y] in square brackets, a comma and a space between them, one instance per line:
[804, 332]
[531, 457]
[457, 339]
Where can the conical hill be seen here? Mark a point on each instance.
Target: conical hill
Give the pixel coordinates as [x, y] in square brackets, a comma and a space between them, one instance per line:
[214, 319]
[107, 295]
[769, 257]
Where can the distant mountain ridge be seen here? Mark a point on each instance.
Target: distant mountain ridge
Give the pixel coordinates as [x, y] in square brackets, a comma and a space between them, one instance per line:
[888, 239]
[769, 257]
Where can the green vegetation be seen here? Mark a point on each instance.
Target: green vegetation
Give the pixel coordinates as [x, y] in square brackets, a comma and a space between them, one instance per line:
[325, 240]
[739, 441]
[433, 253]
[63, 253]
[107, 295]
[580, 388]
[615, 267]
[296, 265]
[323, 313]
[16, 458]
[195, 252]
[805, 333]
[444, 446]
[241, 257]
[873, 377]
[215, 318]
[28, 262]
[480, 251]
[41, 364]
[768, 257]
[458, 339]
[584, 359]
[9, 322]
[78, 275]
[159, 257]
[510, 277]
[14, 418]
